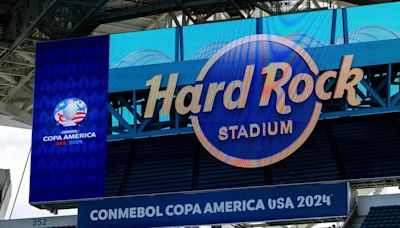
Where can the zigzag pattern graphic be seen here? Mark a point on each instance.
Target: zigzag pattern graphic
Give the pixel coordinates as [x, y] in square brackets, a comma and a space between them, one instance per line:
[71, 68]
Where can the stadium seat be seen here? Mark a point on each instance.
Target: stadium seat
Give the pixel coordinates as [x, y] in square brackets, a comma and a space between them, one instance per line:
[382, 217]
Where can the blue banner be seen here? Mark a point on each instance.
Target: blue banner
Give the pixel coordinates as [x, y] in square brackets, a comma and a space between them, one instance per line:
[69, 124]
[218, 207]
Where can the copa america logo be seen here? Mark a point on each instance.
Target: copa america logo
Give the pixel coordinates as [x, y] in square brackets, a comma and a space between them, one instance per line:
[70, 112]
[257, 99]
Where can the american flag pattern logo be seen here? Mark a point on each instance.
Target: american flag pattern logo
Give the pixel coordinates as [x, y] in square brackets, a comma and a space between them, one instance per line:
[70, 112]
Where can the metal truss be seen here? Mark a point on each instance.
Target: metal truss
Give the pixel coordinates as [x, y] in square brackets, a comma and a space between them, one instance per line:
[26, 23]
[29, 22]
[201, 11]
[379, 92]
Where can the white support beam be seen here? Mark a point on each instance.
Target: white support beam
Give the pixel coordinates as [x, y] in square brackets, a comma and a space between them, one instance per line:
[16, 114]
[122, 26]
[27, 57]
[344, 4]
[12, 73]
[154, 23]
[316, 4]
[8, 78]
[3, 83]
[16, 88]
[19, 63]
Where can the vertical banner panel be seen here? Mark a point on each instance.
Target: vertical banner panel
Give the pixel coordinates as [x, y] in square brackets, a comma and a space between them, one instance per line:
[69, 125]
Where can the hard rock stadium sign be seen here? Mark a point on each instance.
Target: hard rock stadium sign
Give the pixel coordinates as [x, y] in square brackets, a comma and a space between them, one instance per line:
[256, 100]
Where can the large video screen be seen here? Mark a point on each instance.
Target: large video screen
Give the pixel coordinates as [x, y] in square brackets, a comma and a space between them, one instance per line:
[121, 114]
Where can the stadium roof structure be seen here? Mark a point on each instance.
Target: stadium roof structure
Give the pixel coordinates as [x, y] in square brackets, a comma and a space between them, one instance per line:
[5, 191]
[23, 23]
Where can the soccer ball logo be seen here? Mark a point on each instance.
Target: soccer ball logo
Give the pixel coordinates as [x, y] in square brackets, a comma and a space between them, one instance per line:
[70, 112]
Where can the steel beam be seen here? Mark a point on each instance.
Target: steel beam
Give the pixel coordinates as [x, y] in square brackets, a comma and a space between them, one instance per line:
[168, 6]
[153, 24]
[8, 78]
[123, 26]
[296, 6]
[17, 87]
[88, 16]
[185, 10]
[172, 14]
[28, 30]
[6, 46]
[211, 12]
[237, 8]
[316, 4]
[120, 119]
[13, 61]
[374, 94]
[16, 113]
